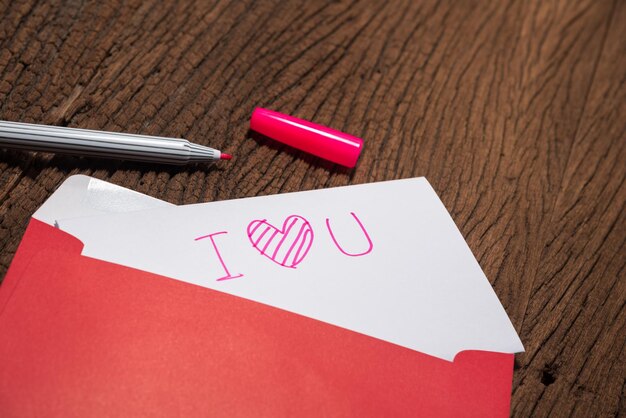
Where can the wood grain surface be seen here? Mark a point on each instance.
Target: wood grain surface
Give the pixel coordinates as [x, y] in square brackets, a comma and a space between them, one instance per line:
[514, 110]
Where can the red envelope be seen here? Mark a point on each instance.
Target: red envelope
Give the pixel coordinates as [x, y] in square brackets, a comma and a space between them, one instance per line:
[83, 337]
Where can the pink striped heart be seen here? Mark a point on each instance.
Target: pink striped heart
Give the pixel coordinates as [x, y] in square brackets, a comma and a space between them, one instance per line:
[287, 246]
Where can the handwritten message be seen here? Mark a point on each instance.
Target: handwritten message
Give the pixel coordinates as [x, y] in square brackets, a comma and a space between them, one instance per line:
[287, 246]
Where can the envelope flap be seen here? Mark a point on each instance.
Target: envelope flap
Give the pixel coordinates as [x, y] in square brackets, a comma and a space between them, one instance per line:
[38, 236]
[103, 338]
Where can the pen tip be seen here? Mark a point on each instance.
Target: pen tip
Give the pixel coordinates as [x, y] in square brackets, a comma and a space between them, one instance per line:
[225, 156]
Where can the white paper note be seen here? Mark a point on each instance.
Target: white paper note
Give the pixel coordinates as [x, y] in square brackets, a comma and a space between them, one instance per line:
[383, 259]
[86, 196]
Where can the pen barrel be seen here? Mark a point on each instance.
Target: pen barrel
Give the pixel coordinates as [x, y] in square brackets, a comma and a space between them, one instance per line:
[114, 145]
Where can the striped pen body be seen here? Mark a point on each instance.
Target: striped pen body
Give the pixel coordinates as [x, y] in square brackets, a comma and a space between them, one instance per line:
[84, 142]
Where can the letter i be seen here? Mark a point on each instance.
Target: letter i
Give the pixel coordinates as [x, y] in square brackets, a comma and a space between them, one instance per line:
[219, 256]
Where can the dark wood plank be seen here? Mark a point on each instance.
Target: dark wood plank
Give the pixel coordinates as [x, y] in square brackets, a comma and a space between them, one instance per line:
[512, 109]
[575, 326]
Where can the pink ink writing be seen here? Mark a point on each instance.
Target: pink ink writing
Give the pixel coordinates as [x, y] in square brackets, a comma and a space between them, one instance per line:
[219, 256]
[286, 246]
[367, 237]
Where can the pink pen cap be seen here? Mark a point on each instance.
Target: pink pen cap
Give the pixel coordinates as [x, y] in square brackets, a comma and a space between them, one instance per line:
[315, 139]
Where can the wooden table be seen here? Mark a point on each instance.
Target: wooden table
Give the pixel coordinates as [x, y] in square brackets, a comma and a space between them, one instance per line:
[514, 110]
